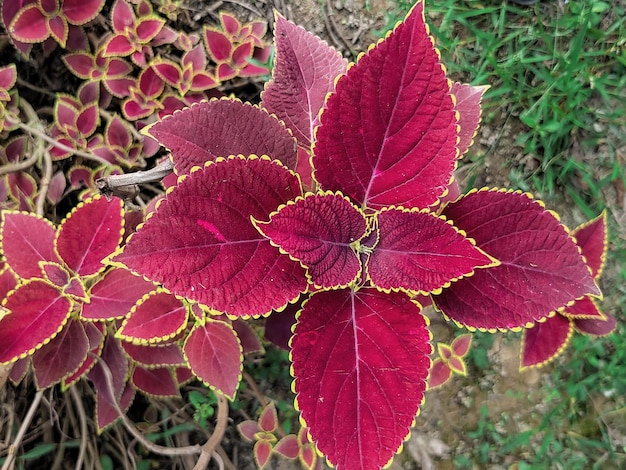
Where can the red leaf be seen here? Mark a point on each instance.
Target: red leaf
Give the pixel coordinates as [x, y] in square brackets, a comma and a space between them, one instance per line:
[541, 269]
[421, 252]
[304, 73]
[217, 256]
[220, 128]
[26, 240]
[440, 373]
[157, 317]
[250, 343]
[59, 29]
[95, 333]
[37, 313]
[8, 77]
[114, 294]
[62, 356]
[91, 232]
[545, 341]
[118, 46]
[79, 12]
[360, 362]
[262, 453]
[168, 71]
[320, 231]
[288, 447]
[122, 16]
[596, 326]
[148, 27]
[591, 237]
[29, 25]
[268, 421]
[155, 356]
[461, 345]
[388, 134]
[57, 187]
[583, 308]
[218, 45]
[88, 119]
[467, 104]
[248, 429]
[155, 382]
[214, 354]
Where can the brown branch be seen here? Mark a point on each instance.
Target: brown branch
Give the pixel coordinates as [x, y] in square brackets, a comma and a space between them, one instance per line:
[208, 449]
[125, 186]
[44, 183]
[83, 426]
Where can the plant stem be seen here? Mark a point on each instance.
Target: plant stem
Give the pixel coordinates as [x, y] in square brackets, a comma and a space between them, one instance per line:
[83, 426]
[208, 449]
[8, 463]
[123, 186]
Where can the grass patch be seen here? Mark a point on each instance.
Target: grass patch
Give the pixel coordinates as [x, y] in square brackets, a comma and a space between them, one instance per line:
[557, 73]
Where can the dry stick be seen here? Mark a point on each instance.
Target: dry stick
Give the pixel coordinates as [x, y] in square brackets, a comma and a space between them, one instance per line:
[124, 185]
[44, 183]
[330, 14]
[23, 165]
[155, 448]
[83, 426]
[42, 135]
[208, 449]
[8, 463]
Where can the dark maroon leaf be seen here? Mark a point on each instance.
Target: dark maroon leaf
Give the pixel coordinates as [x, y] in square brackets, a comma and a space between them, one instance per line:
[220, 128]
[155, 382]
[360, 362]
[388, 134]
[321, 231]
[91, 232]
[540, 271]
[217, 256]
[421, 253]
[545, 341]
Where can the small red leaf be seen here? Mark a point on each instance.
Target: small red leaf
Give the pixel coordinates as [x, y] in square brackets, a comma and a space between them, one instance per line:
[583, 308]
[29, 25]
[154, 356]
[596, 326]
[90, 233]
[157, 317]
[304, 73]
[79, 12]
[122, 16]
[155, 382]
[461, 345]
[288, 447]
[388, 133]
[262, 453]
[248, 429]
[540, 263]
[591, 237]
[214, 354]
[467, 104]
[218, 45]
[114, 294]
[320, 231]
[220, 128]
[62, 356]
[440, 373]
[360, 362]
[26, 240]
[421, 252]
[217, 256]
[545, 341]
[37, 312]
[247, 336]
[148, 27]
[268, 421]
[118, 45]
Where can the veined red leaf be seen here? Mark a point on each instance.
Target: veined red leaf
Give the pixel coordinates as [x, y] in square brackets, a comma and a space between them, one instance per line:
[461, 345]
[321, 231]
[540, 271]
[440, 373]
[220, 128]
[545, 341]
[388, 134]
[250, 343]
[79, 12]
[7, 281]
[114, 294]
[262, 452]
[26, 240]
[360, 362]
[19, 369]
[95, 334]
[61, 356]
[268, 420]
[214, 354]
[583, 308]
[217, 256]
[418, 251]
[288, 447]
[155, 382]
[304, 73]
[596, 326]
[37, 312]
[91, 232]
[29, 25]
[218, 45]
[591, 237]
[467, 104]
[152, 356]
[157, 317]
[109, 375]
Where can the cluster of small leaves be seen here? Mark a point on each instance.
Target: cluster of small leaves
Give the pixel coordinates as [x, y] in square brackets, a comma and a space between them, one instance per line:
[351, 218]
[451, 361]
[263, 433]
[138, 70]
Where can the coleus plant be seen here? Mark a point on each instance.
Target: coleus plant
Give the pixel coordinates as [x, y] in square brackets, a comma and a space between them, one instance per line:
[358, 237]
